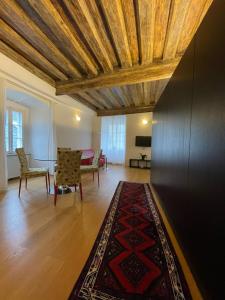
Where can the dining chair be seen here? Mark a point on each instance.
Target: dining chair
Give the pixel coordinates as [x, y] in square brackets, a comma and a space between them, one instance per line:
[61, 149]
[68, 171]
[94, 167]
[26, 172]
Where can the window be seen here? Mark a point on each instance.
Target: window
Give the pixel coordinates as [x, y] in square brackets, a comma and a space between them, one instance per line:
[113, 138]
[13, 130]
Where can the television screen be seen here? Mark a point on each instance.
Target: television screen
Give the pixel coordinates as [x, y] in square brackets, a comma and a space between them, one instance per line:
[143, 141]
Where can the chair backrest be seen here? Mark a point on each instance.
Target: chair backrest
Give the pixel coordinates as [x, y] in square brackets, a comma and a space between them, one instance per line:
[68, 167]
[96, 158]
[63, 149]
[22, 159]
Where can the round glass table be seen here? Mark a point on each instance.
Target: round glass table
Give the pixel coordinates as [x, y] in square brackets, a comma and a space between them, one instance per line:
[63, 189]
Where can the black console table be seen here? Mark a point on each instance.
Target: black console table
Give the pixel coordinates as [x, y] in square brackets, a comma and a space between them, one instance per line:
[140, 163]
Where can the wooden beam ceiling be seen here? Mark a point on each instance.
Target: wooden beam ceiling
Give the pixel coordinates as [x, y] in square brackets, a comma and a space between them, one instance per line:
[21, 60]
[125, 110]
[9, 36]
[152, 72]
[112, 56]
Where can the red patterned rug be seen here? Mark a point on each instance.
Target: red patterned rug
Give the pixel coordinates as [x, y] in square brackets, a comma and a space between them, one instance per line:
[132, 257]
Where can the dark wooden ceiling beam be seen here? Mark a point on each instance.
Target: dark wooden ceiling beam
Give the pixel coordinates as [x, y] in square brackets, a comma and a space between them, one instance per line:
[155, 71]
[125, 92]
[134, 94]
[154, 87]
[109, 93]
[145, 22]
[100, 98]
[114, 15]
[15, 56]
[178, 13]
[146, 92]
[11, 37]
[106, 99]
[140, 93]
[95, 12]
[95, 98]
[83, 101]
[81, 14]
[125, 110]
[53, 19]
[14, 15]
[91, 100]
[130, 22]
[119, 94]
[161, 20]
[105, 94]
[196, 11]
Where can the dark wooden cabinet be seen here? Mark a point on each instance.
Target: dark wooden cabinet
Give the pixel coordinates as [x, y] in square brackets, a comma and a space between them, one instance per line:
[140, 163]
[188, 153]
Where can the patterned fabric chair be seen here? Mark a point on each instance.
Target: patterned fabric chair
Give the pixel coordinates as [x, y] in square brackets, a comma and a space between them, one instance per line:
[62, 149]
[68, 171]
[26, 172]
[94, 167]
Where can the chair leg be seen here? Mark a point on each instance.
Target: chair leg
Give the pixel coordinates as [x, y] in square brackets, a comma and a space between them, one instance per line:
[20, 185]
[75, 186]
[49, 183]
[98, 178]
[93, 176]
[81, 191]
[46, 182]
[55, 193]
[26, 183]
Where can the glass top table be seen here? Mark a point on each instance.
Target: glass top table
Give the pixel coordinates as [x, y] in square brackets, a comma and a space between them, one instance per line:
[61, 189]
[45, 159]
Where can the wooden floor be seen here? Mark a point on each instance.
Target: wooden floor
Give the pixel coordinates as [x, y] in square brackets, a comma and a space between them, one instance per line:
[43, 248]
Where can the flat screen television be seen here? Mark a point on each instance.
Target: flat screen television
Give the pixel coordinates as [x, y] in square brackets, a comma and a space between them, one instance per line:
[143, 141]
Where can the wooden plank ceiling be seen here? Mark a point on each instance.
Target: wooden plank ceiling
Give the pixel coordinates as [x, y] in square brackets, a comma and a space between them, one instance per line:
[114, 56]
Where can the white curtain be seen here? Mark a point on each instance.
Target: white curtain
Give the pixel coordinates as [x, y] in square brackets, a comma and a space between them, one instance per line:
[52, 152]
[3, 161]
[113, 138]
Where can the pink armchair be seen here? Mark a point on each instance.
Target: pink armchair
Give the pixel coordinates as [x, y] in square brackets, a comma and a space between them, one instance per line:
[88, 155]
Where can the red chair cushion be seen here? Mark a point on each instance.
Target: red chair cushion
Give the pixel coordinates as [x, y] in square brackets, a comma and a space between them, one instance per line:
[86, 161]
[87, 158]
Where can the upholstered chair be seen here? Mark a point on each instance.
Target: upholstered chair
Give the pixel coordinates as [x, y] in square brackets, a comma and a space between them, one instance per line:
[94, 167]
[62, 149]
[26, 172]
[68, 171]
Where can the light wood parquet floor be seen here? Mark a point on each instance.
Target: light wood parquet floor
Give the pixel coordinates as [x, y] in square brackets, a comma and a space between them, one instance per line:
[44, 248]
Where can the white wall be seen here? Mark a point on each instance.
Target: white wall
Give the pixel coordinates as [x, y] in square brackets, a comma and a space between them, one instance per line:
[39, 133]
[69, 131]
[18, 79]
[134, 127]
[96, 134]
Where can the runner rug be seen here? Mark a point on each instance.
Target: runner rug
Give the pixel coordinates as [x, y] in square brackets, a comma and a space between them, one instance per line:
[132, 257]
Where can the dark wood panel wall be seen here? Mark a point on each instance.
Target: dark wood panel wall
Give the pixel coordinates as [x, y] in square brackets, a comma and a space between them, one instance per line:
[188, 153]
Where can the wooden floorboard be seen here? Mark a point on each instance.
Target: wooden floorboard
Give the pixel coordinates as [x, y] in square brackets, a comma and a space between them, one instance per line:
[43, 248]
